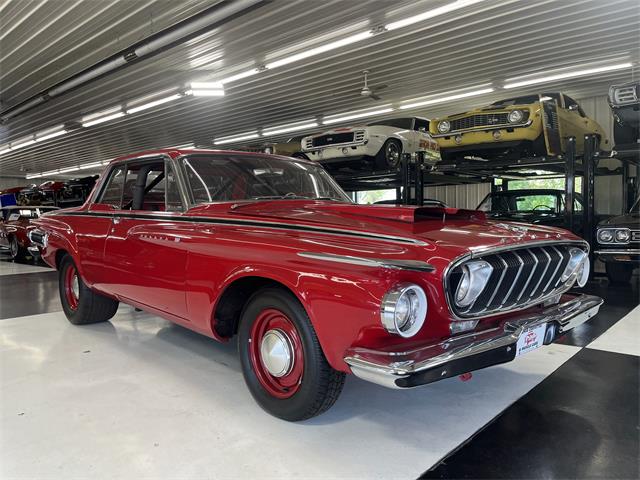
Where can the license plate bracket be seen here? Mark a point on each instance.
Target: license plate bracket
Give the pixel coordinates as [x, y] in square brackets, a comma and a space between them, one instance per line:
[531, 339]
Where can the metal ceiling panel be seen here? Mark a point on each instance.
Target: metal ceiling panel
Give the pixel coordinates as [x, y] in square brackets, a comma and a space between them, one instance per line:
[485, 43]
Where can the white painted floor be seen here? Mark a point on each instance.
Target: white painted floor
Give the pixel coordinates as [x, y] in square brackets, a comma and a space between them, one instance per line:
[622, 337]
[8, 267]
[138, 397]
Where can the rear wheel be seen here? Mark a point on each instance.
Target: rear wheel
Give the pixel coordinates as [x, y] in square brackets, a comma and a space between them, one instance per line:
[17, 252]
[81, 305]
[282, 362]
[618, 272]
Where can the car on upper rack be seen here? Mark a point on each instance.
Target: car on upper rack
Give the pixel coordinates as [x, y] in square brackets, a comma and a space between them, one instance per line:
[516, 127]
[382, 142]
[624, 101]
[270, 250]
[541, 206]
[619, 244]
[15, 225]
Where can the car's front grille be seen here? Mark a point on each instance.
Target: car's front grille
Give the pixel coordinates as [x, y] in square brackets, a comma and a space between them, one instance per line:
[625, 95]
[521, 278]
[479, 120]
[332, 139]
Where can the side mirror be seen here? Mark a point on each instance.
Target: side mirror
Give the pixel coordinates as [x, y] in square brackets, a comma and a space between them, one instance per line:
[101, 207]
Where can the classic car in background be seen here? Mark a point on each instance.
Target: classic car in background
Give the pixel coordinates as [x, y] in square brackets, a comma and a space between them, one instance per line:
[382, 142]
[290, 148]
[15, 224]
[530, 125]
[69, 193]
[271, 250]
[537, 206]
[624, 101]
[619, 244]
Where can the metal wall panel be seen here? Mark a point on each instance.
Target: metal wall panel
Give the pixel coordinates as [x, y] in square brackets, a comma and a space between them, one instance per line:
[459, 196]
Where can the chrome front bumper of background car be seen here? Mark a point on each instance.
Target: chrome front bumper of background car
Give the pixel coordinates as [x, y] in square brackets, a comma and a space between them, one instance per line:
[454, 356]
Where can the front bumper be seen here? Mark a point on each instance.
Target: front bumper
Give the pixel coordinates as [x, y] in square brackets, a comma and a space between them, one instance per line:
[454, 356]
[342, 152]
[508, 134]
[619, 255]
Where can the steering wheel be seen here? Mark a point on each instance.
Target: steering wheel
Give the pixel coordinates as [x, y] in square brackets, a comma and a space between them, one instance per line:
[545, 207]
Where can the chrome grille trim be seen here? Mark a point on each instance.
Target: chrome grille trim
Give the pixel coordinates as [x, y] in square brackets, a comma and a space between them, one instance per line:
[635, 235]
[511, 285]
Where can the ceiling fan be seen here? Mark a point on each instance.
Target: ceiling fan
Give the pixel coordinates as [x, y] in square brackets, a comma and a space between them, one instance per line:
[370, 92]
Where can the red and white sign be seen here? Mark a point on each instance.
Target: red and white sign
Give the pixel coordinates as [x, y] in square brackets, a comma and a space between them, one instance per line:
[531, 339]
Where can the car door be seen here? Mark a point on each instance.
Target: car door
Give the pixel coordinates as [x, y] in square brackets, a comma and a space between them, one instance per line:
[145, 252]
[575, 121]
[426, 143]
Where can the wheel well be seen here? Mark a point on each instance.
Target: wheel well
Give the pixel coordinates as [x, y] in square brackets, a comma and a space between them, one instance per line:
[59, 255]
[230, 304]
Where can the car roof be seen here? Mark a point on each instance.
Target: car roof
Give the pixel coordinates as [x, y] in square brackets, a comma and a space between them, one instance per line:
[175, 153]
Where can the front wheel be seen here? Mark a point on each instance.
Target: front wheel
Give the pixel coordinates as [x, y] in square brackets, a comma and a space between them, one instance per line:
[282, 362]
[388, 158]
[618, 272]
[17, 252]
[81, 305]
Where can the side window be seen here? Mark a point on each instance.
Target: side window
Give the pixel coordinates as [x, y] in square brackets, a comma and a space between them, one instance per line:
[571, 104]
[151, 186]
[112, 194]
[174, 202]
[421, 125]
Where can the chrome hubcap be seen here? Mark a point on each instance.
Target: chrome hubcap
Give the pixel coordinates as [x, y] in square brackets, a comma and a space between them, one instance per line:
[392, 154]
[14, 248]
[75, 287]
[276, 353]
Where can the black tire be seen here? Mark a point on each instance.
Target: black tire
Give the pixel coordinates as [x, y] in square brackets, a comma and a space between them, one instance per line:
[16, 251]
[319, 385]
[618, 273]
[624, 134]
[388, 158]
[89, 307]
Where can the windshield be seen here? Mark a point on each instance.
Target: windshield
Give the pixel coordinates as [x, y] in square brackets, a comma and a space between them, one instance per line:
[228, 177]
[522, 203]
[394, 122]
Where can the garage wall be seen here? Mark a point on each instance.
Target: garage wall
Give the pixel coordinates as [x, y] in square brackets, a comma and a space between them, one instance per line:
[459, 196]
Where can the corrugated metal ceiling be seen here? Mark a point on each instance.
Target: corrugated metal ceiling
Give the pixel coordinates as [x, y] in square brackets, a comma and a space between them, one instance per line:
[480, 44]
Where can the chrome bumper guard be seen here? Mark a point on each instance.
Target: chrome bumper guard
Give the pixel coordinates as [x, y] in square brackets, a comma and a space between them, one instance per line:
[38, 238]
[454, 356]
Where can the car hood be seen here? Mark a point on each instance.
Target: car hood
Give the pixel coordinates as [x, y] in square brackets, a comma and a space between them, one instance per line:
[457, 230]
[628, 220]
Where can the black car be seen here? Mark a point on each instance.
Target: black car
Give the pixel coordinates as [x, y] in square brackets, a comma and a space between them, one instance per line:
[619, 244]
[537, 206]
[624, 101]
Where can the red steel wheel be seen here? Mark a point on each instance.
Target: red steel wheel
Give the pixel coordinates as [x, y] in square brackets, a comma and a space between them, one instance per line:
[276, 353]
[72, 287]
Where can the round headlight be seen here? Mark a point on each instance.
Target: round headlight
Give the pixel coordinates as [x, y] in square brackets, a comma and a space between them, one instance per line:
[623, 235]
[515, 116]
[475, 275]
[444, 126]
[583, 272]
[605, 236]
[404, 309]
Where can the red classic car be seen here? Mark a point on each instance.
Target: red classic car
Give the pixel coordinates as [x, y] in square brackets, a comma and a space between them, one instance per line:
[271, 250]
[15, 224]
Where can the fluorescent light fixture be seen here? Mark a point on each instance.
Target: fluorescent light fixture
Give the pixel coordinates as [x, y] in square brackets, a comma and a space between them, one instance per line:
[206, 89]
[206, 85]
[446, 98]
[20, 144]
[29, 176]
[68, 169]
[102, 116]
[560, 76]
[154, 103]
[321, 49]
[50, 133]
[86, 166]
[343, 117]
[239, 76]
[431, 14]
[291, 127]
[183, 146]
[236, 138]
[5, 150]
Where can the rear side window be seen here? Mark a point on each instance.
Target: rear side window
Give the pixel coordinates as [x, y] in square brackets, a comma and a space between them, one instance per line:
[112, 194]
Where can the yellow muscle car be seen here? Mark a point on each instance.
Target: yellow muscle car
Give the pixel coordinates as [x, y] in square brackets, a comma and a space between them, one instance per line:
[531, 125]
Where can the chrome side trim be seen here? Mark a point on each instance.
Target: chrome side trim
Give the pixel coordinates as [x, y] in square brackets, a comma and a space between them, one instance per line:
[415, 265]
[629, 251]
[385, 367]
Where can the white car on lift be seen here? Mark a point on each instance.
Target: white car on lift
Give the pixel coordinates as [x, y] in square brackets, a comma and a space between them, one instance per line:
[383, 141]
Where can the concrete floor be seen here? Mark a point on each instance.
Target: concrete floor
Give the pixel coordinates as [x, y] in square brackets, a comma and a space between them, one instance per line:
[138, 397]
